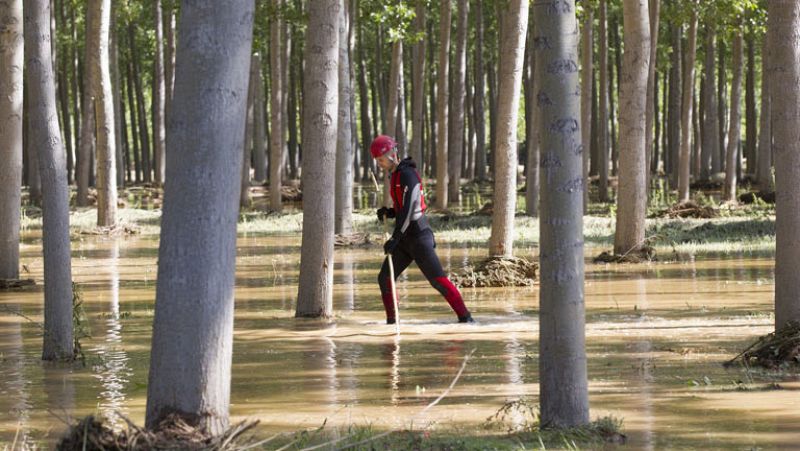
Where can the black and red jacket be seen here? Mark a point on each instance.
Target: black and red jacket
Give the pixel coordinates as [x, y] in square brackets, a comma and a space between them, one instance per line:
[408, 197]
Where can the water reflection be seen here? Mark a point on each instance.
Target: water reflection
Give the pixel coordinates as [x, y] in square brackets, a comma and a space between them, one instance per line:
[14, 382]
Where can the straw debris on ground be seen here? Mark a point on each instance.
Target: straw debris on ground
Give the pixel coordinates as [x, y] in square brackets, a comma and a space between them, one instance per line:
[353, 240]
[119, 229]
[291, 193]
[641, 255]
[688, 209]
[91, 433]
[498, 272]
[15, 284]
[773, 351]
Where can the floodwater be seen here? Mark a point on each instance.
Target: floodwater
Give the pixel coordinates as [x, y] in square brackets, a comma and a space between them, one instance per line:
[656, 337]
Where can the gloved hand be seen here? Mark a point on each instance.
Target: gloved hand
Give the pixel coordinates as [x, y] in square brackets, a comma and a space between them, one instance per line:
[389, 246]
[385, 212]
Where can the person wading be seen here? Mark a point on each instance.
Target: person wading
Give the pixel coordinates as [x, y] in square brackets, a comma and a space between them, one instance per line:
[412, 239]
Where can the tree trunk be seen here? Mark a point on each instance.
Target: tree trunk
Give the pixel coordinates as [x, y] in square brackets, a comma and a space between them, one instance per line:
[247, 141]
[58, 335]
[393, 107]
[587, 69]
[443, 101]
[343, 211]
[291, 113]
[457, 118]
[512, 50]
[259, 134]
[674, 120]
[276, 114]
[718, 159]
[650, 138]
[365, 120]
[686, 110]
[418, 93]
[735, 119]
[563, 387]
[480, 115]
[751, 118]
[784, 74]
[159, 98]
[633, 131]
[602, 134]
[137, 162]
[615, 78]
[116, 93]
[64, 101]
[98, 67]
[190, 363]
[89, 126]
[76, 93]
[11, 85]
[320, 106]
[169, 62]
[711, 117]
[144, 134]
[531, 126]
[764, 174]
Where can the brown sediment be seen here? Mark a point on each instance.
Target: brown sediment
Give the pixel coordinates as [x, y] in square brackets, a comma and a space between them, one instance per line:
[354, 239]
[641, 255]
[291, 193]
[498, 272]
[15, 284]
[118, 229]
[172, 433]
[774, 350]
[688, 209]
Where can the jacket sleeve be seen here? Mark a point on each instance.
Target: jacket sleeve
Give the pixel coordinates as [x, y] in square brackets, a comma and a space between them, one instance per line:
[411, 202]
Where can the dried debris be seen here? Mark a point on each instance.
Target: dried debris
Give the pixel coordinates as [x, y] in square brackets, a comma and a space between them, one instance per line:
[498, 272]
[15, 284]
[688, 209]
[773, 351]
[354, 239]
[641, 255]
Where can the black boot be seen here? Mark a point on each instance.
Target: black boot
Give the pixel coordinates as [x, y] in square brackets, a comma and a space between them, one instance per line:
[466, 318]
[390, 320]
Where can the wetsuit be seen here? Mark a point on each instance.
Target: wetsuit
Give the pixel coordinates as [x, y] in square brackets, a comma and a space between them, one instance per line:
[413, 241]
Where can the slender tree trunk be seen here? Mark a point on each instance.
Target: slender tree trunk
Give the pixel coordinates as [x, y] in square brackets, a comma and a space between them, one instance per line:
[134, 128]
[58, 335]
[764, 174]
[686, 110]
[531, 126]
[418, 93]
[89, 125]
[512, 50]
[76, 93]
[276, 114]
[259, 138]
[480, 115]
[634, 134]
[393, 107]
[286, 51]
[169, 62]
[190, 363]
[563, 387]
[11, 85]
[98, 62]
[491, 78]
[64, 101]
[710, 146]
[614, 79]
[159, 98]
[247, 148]
[320, 105]
[116, 93]
[734, 131]
[343, 211]
[443, 101]
[651, 139]
[604, 100]
[751, 117]
[587, 69]
[457, 118]
[674, 121]
[144, 134]
[291, 113]
[363, 94]
[784, 74]
[718, 159]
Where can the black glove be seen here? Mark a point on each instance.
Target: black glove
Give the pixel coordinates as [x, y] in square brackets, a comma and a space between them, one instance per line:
[389, 246]
[385, 212]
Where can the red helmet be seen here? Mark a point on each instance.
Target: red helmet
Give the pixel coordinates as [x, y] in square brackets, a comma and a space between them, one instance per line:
[382, 145]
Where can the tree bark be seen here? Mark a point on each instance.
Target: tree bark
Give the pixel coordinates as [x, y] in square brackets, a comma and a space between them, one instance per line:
[718, 159]
[366, 121]
[650, 138]
[137, 161]
[259, 134]
[532, 126]
[512, 50]
[764, 174]
[751, 117]
[247, 141]
[711, 123]
[587, 71]
[480, 115]
[276, 114]
[58, 335]
[563, 387]
[674, 109]
[633, 130]
[734, 128]
[457, 118]
[602, 134]
[144, 133]
[784, 77]
[320, 105]
[442, 103]
[418, 82]
[89, 126]
[11, 85]
[116, 93]
[343, 211]
[159, 98]
[686, 110]
[190, 363]
[169, 63]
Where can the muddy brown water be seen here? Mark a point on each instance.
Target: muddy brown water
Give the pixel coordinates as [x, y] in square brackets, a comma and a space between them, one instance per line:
[656, 337]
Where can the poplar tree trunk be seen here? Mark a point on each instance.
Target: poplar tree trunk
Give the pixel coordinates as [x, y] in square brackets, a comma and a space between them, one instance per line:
[512, 50]
[64, 87]
[711, 123]
[11, 85]
[393, 107]
[116, 94]
[674, 109]
[159, 98]
[751, 117]
[480, 115]
[259, 134]
[633, 131]
[418, 93]
[718, 159]
[366, 121]
[144, 133]
[43, 117]
[587, 71]
[442, 103]
[320, 106]
[276, 114]
[563, 386]
[734, 131]
[764, 174]
[99, 67]
[169, 63]
[532, 127]
[89, 126]
[457, 118]
[784, 74]
[190, 363]
[650, 138]
[343, 211]
[686, 110]
[247, 148]
[602, 134]
[137, 161]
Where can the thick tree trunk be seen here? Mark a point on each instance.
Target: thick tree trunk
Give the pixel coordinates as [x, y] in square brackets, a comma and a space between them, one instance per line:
[190, 363]
[751, 117]
[159, 97]
[418, 92]
[480, 115]
[276, 114]
[686, 111]
[320, 106]
[734, 130]
[650, 138]
[11, 85]
[587, 71]
[563, 387]
[512, 51]
[443, 101]
[710, 146]
[343, 211]
[457, 118]
[58, 334]
[98, 62]
[633, 131]
[764, 174]
[784, 74]
[674, 109]
[602, 133]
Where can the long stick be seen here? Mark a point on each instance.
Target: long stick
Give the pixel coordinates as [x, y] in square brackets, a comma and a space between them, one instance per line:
[391, 264]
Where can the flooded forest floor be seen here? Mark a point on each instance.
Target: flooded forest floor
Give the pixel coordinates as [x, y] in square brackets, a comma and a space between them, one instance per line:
[656, 334]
